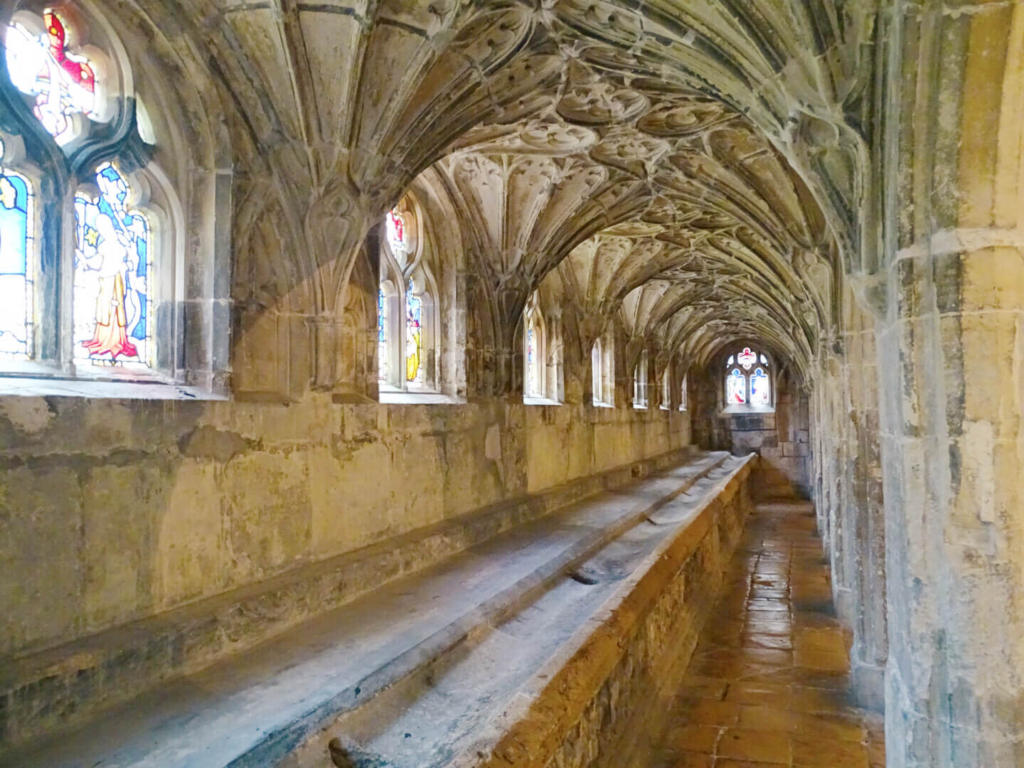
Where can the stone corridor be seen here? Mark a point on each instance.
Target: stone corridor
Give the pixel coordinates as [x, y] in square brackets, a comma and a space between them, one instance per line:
[768, 683]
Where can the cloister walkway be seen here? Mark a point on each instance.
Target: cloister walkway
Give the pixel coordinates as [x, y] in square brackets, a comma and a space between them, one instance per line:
[768, 684]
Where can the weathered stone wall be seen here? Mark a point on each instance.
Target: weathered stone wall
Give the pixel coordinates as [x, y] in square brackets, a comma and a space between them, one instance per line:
[781, 437]
[114, 510]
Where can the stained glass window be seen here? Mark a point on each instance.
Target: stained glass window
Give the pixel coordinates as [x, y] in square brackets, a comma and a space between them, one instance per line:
[398, 235]
[760, 388]
[736, 388]
[16, 262]
[42, 65]
[746, 358]
[382, 336]
[730, 361]
[413, 336]
[112, 300]
[764, 360]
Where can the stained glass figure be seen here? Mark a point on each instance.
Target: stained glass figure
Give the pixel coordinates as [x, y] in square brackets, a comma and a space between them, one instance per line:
[112, 298]
[413, 336]
[16, 263]
[736, 388]
[746, 358]
[42, 65]
[382, 336]
[398, 236]
[760, 388]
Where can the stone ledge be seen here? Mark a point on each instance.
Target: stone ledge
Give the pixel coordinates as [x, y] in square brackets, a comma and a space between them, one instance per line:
[560, 709]
[63, 685]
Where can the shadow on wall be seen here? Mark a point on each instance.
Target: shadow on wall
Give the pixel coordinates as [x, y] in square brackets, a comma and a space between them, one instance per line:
[781, 436]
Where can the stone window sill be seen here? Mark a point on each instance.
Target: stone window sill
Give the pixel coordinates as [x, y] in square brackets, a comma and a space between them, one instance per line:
[134, 389]
[740, 410]
[539, 401]
[398, 397]
[28, 378]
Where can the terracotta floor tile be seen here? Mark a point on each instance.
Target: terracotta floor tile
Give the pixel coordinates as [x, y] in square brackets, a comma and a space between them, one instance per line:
[709, 712]
[768, 683]
[692, 738]
[769, 718]
[757, 746]
[761, 694]
[691, 760]
[814, 751]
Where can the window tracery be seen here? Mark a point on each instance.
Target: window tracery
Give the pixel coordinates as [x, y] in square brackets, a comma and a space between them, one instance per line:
[748, 379]
[43, 63]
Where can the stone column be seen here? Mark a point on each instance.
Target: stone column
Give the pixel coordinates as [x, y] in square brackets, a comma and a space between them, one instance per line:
[863, 507]
[951, 359]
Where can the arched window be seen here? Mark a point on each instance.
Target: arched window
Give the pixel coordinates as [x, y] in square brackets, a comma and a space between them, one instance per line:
[114, 299]
[682, 394]
[640, 381]
[666, 390]
[17, 268]
[535, 351]
[602, 364]
[406, 349]
[748, 380]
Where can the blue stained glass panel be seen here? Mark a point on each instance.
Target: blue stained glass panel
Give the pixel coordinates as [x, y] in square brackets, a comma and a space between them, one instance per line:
[760, 388]
[413, 336]
[112, 298]
[17, 266]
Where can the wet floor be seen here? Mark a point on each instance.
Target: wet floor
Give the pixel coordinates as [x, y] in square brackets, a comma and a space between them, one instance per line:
[768, 684]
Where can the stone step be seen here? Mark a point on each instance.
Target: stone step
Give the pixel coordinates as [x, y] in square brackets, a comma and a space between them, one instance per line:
[259, 706]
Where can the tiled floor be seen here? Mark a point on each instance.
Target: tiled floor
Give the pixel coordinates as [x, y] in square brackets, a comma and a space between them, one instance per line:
[768, 683]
